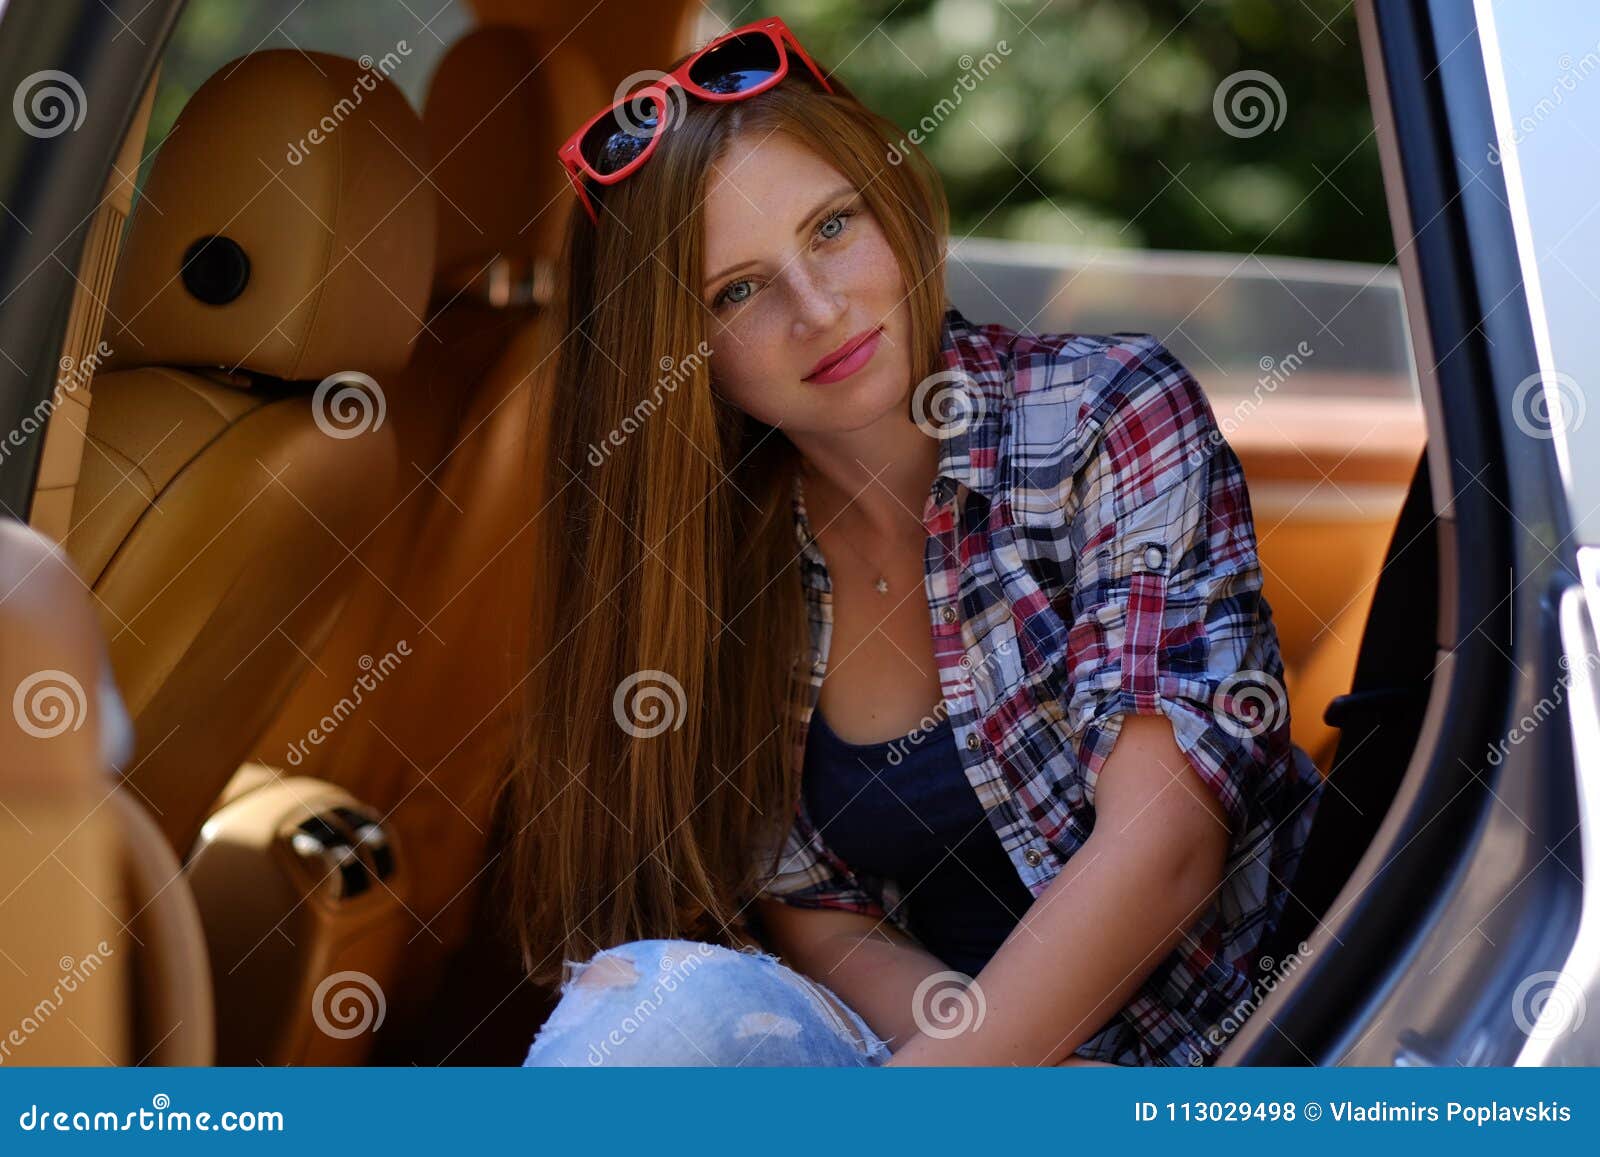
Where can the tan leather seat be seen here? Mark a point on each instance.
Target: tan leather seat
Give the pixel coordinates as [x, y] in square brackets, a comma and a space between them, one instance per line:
[452, 570]
[92, 901]
[229, 474]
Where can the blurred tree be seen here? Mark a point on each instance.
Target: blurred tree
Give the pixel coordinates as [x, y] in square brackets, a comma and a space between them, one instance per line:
[1123, 122]
[1101, 123]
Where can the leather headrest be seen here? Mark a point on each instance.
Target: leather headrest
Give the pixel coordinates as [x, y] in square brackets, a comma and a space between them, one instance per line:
[496, 104]
[286, 227]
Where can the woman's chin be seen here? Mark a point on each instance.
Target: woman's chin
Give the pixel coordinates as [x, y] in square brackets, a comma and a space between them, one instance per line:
[854, 402]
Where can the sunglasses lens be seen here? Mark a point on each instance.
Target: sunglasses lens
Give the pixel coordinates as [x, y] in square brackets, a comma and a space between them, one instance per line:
[614, 140]
[737, 65]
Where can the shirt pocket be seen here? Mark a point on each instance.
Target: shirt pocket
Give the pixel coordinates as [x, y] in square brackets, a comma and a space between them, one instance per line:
[1037, 634]
[993, 659]
[1029, 722]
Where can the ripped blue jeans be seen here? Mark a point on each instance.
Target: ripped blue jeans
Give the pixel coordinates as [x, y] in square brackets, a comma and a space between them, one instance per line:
[688, 1002]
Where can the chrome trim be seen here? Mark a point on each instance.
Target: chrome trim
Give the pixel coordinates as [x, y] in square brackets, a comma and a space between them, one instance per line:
[1580, 652]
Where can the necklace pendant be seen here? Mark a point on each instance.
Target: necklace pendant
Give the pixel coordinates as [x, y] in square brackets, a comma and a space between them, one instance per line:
[882, 585]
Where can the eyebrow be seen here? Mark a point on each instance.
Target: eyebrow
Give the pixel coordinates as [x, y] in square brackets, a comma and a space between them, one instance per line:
[806, 220]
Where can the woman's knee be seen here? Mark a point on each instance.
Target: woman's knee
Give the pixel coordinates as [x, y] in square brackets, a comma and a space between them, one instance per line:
[686, 1002]
[663, 965]
[643, 1002]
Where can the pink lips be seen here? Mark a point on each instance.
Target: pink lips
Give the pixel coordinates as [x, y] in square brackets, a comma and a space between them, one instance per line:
[857, 354]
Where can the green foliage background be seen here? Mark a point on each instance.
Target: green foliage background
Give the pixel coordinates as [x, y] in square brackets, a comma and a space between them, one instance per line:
[1097, 128]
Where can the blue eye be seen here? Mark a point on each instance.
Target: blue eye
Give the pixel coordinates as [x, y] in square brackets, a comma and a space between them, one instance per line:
[728, 296]
[837, 218]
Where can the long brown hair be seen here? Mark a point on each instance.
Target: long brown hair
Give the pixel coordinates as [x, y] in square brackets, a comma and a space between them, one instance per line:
[658, 752]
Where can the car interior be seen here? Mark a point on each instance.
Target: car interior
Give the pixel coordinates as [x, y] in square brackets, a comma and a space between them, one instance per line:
[319, 635]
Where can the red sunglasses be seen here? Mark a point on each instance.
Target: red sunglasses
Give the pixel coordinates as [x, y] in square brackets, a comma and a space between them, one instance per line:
[736, 65]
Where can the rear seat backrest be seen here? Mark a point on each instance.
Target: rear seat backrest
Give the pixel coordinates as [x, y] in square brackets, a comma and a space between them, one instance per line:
[492, 127]
[285, 236]
[452, 568]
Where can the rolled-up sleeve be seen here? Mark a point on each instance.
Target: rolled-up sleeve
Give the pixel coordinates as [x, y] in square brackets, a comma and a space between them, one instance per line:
[1168, 615]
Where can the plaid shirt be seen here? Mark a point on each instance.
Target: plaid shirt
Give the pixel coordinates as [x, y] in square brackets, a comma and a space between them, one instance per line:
[1091, 554]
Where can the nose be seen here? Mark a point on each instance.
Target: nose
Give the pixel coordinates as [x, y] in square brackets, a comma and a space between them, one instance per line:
[818, 306]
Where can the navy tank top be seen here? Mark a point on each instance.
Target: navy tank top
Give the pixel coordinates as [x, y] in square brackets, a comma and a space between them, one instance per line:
[903, 809]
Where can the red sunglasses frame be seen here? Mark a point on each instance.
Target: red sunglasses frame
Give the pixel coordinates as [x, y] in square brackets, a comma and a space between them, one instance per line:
[571, 154]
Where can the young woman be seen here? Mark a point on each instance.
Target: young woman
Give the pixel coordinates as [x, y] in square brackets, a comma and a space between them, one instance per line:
[904, 691]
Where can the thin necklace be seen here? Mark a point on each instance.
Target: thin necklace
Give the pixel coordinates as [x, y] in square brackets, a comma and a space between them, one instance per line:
[882, 583]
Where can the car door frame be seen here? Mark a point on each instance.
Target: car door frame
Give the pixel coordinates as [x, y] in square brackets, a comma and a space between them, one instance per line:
[50, 190]
[1425, 954]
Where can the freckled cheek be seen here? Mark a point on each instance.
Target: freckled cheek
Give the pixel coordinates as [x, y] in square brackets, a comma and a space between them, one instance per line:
[870, 278]
[745, 355]
[746, 373]
[869, 275]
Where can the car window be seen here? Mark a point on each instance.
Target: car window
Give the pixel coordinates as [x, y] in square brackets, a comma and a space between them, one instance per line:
[1544, 86]
[1249, 327]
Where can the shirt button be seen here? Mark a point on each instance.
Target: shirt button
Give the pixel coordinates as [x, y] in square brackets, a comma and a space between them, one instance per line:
[948, 614]
[974, 740]
[1034, 857]
[1154, 557]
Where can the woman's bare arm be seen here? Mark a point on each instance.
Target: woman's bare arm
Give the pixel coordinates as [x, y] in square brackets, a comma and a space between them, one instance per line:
[869, 962]
[1121, 903]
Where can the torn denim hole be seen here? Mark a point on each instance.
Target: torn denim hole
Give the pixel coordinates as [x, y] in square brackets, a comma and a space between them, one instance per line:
[832, 1013]
[765, 1024]
[616, 971]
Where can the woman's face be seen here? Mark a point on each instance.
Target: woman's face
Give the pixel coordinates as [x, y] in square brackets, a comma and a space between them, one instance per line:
[796, 268]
